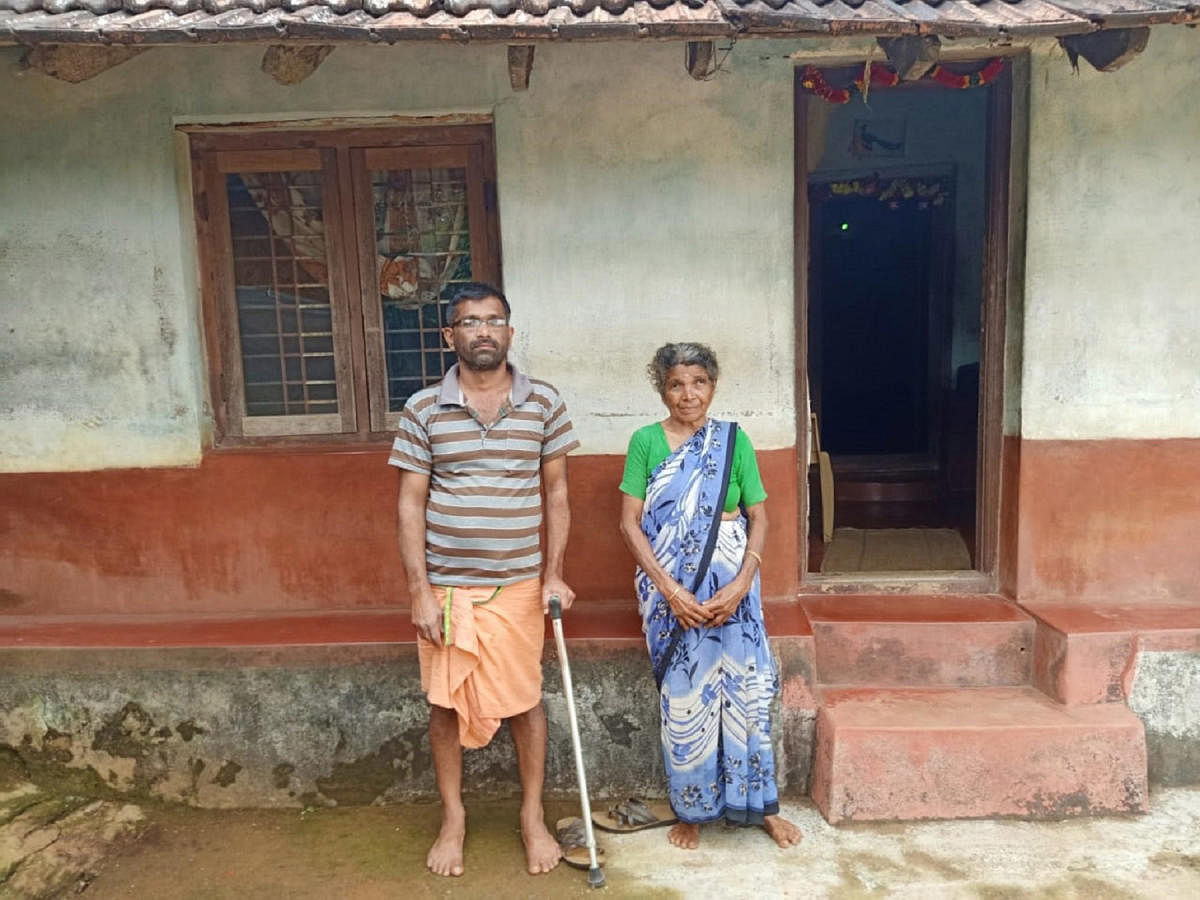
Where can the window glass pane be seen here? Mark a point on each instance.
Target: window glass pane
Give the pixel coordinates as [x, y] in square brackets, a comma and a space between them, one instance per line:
[281, 278]
[423, 248]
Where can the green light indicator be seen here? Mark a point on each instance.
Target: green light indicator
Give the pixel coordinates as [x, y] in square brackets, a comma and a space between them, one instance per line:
[845, 226]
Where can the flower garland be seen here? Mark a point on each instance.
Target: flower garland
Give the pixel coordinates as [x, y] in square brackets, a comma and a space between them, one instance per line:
[926, 192]
[986, 75]
[813, 80]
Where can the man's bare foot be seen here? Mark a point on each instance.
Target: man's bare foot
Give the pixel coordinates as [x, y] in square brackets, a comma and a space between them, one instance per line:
[446, 855]
[783, 832]
[685, 835]
[542, 852]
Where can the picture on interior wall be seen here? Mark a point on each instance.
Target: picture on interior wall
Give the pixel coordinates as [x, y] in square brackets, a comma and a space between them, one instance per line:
[878, 138]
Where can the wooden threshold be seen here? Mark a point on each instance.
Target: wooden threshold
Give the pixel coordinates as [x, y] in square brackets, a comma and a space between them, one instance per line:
[972, 582]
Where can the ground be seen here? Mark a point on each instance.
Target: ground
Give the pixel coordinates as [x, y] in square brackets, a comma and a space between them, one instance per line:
[370, 852]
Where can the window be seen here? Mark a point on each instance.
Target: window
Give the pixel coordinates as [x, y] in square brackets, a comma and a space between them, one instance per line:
[327, 258]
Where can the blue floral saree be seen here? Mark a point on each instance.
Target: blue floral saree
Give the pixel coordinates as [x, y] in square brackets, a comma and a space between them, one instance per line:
[716, 683]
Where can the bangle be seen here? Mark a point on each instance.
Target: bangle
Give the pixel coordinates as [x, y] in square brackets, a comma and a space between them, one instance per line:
[756, 556]
[675, 593]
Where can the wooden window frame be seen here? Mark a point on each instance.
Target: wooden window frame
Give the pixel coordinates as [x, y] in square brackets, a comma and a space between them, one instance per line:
[344, 156]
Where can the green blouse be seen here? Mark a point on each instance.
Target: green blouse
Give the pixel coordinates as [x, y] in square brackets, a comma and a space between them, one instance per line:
[648, 447]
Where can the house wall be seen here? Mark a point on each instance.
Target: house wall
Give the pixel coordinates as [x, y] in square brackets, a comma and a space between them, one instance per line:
[235, 534]
[637, 206]
[634, 210]
[1109, 484]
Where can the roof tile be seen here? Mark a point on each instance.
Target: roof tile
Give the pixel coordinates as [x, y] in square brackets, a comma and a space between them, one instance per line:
[171, 21]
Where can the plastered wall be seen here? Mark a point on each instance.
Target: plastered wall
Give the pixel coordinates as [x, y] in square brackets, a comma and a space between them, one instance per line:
[637, 206]
[1112, 336]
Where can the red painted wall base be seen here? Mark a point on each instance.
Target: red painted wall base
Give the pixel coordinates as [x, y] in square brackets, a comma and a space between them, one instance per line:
[272, 531]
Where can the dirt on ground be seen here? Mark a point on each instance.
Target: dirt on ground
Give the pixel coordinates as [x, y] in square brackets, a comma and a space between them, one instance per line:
[60, 847]
[357, 854]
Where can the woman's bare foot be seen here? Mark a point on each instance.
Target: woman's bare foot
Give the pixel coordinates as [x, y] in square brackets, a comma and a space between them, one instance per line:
[783, 832]
[685, 835]
[446, 855]
[542, 852]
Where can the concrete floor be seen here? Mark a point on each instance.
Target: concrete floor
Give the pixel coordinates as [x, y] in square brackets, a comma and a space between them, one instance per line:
[379, 851]
[1156, 855]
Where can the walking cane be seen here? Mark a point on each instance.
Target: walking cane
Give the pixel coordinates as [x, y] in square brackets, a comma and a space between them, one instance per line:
[595, 875]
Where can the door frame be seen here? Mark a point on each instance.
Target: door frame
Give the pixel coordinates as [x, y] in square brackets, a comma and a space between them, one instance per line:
[1003, 273]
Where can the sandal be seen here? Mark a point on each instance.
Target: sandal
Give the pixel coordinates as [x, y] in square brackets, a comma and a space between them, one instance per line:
[572, 837]
[635, 814]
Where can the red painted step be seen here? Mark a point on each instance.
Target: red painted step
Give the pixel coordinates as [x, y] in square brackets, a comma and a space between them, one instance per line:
[977, 752]
[923, 641]
[1087, 653]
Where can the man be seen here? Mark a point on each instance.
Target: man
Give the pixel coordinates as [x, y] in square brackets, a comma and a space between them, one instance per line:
[475, 452]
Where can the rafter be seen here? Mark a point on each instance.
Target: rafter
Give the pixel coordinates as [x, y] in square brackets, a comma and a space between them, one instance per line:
[77, 62]
[289, 64]
[1107, 51]
[520, 65]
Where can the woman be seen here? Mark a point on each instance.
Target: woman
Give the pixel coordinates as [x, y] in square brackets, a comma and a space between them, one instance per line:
[687, 480]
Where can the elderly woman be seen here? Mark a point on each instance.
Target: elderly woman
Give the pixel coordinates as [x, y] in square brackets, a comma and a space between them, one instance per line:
[693, 517]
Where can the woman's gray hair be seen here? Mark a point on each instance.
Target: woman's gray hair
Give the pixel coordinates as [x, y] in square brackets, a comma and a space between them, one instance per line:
[683, 353]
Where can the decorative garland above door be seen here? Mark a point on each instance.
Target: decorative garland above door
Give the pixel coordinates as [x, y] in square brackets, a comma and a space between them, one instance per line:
[813, 80]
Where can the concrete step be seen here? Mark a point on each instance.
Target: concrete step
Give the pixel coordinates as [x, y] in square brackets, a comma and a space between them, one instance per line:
[978, 752]
[929, 641]
[1087, 652]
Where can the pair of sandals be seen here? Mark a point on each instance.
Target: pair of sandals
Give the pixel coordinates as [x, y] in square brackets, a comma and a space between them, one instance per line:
[633, 814]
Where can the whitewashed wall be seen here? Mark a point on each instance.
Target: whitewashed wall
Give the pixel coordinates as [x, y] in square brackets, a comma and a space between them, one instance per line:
[637, 206]
[640, 206]
[1112, 299]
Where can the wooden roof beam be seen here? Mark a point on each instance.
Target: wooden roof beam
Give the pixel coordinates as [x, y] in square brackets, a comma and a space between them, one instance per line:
[74, 63]
[289, 64]
[520, 65]
[911, 55]
[698, 58]
[1107, 51]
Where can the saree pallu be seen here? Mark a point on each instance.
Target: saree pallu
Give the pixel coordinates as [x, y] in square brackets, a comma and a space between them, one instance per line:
[717, 683]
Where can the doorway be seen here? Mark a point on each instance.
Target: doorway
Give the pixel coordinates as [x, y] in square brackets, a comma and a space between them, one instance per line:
[900, 200]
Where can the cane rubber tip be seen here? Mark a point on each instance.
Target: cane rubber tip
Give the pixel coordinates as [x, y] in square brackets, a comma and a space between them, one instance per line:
[595, 877]
[555, 606]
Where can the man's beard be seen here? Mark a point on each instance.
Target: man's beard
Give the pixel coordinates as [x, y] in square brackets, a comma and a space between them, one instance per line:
[493, 359]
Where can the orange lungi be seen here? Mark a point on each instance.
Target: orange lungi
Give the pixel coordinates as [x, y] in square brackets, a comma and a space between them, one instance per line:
[490, 664]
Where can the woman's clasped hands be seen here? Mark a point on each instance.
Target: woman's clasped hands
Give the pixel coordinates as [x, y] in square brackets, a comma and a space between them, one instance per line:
[691, 613]
[726, 600]
[687, 610]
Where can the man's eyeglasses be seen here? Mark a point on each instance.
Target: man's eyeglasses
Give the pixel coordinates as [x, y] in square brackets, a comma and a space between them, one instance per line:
[472, 323]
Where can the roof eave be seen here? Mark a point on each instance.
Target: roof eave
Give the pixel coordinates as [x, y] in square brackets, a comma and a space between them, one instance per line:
[162, 28]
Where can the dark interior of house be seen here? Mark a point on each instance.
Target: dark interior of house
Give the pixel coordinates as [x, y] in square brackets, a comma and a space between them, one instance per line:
[875, 342]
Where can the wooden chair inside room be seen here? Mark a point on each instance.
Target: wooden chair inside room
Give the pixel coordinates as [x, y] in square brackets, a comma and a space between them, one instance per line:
[820, 458]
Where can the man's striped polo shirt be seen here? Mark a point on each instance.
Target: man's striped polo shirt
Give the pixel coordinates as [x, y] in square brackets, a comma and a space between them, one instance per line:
[484, 511]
